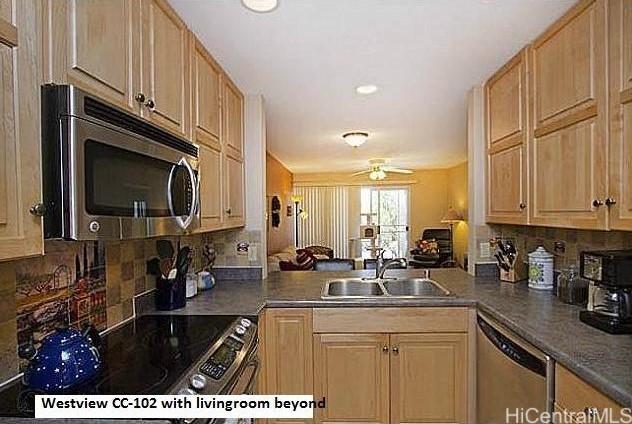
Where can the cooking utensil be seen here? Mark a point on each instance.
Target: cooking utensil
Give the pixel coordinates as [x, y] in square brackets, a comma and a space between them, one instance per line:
[165, 266]
[182, 261]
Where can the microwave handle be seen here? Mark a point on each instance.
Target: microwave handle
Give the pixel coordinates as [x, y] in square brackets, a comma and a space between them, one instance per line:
[184, 223]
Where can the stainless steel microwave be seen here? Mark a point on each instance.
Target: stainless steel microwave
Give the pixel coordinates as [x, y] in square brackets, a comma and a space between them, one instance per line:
[108, 174]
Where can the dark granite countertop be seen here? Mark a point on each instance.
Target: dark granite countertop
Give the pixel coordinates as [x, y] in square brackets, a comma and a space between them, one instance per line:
[603, 360]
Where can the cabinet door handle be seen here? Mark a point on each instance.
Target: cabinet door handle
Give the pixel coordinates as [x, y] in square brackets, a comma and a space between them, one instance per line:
[591, 411]
[395, 350]
[610, 201]
[38, 209]
[385, 349]
[229, 211]
[522, 205]
[140, 98]
[596, 203]
[150, 104]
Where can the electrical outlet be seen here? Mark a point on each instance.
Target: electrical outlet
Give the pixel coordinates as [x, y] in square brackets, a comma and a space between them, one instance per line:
[485, 250]
[242, 248]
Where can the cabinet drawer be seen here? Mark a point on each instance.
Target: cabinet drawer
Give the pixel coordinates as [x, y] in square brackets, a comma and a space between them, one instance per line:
[390, 320]
[574, 394]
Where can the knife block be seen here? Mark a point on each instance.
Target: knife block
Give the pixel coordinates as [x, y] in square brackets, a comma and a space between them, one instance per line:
[517, 272]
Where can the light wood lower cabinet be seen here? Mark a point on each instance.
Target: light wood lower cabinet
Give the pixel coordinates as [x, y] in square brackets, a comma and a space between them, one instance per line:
[286, 353]
[411, 373]
[391, 378]
[574, 395]
[351, 371]
[428, 378]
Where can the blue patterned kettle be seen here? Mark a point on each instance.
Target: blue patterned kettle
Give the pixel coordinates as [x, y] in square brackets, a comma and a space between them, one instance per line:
[66, 358]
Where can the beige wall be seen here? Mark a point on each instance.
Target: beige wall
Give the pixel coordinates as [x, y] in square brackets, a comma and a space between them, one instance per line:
[279, 182]
[457, 199]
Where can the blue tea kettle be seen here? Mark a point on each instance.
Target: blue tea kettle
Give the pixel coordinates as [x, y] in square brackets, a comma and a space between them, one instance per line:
[66, 358]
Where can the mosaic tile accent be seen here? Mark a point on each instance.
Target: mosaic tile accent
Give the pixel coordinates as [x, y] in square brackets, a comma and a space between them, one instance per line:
[65, 286]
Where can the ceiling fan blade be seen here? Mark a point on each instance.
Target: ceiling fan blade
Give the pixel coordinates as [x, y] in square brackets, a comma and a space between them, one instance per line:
[361, 172]
[398, 170]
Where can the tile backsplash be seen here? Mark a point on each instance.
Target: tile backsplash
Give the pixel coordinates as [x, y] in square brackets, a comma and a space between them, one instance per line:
[92, 282]
[565, 244]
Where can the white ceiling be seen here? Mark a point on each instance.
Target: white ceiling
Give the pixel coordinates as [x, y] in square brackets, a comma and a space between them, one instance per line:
[307, 56]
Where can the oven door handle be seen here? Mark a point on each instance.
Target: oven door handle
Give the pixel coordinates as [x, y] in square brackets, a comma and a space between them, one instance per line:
[253, 379]
[184, 223]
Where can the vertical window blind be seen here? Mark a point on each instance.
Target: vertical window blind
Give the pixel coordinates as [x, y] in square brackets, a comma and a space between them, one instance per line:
[327, 219]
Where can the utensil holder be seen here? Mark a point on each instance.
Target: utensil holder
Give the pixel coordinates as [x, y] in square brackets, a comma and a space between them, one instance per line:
[170, 293]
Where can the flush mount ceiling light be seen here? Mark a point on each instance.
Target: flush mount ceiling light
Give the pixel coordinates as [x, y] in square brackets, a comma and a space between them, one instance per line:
[366, 89]
[260, 6]
[355, 138]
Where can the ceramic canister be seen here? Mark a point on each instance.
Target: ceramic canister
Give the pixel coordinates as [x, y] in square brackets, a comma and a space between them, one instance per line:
[541, 269]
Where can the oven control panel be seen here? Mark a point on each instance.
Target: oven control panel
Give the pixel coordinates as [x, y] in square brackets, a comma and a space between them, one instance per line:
[223, 362]
[216, 366]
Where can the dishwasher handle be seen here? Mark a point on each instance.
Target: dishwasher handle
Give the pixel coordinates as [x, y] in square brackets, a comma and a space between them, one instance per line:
[512, 350]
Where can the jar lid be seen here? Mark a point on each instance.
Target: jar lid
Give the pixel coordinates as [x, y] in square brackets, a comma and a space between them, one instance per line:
[540, 253]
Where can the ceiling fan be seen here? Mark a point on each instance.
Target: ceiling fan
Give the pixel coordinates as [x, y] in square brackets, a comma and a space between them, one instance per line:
[378, 169]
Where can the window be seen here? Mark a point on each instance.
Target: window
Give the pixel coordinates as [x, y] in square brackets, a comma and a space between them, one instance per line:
[386, 207]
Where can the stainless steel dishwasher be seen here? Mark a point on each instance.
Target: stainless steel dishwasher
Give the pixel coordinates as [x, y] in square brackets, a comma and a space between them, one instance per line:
[512, 375]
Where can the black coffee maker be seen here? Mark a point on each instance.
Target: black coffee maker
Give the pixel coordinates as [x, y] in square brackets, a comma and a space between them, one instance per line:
[611, 273]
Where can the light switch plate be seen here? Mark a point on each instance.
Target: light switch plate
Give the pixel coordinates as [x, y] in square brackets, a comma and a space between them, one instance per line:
[485, 250]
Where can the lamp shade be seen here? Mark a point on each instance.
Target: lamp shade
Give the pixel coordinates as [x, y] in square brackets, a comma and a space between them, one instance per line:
[296, 198]
[452, 216]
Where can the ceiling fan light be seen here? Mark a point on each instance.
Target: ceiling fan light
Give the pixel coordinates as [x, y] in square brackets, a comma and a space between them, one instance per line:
[356, 138]
[380, 174]
[260, 6]
[373, 176]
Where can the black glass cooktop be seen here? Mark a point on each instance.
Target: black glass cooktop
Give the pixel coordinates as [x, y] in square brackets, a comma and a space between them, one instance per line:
[146, 356]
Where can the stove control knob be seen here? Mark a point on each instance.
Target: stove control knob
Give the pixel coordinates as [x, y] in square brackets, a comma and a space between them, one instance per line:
[240, 330]
[245, 322]
[197, 381]
[186, 391]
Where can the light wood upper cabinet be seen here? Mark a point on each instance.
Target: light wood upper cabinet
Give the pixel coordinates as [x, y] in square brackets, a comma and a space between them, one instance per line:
[20, 184]
[165, 60]
[235, 208]
[428, 378]
[620, 68]
[506, 112]
[286, 353]
[352, 372]
[568, 164]
[233, 112]
[94, 44]
[210, 174]
[206, 95]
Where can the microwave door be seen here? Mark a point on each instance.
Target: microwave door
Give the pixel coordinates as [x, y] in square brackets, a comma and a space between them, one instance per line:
[126, 187]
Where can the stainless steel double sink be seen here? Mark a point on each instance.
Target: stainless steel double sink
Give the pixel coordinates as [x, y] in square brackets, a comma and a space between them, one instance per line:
[364, 288]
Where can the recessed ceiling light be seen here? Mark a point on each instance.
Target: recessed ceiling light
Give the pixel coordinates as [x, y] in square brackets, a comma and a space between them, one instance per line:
[260, 6]
[366, 89]
[355, 138]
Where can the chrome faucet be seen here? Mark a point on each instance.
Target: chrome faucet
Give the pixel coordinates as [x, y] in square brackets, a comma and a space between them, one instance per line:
[381, 265]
